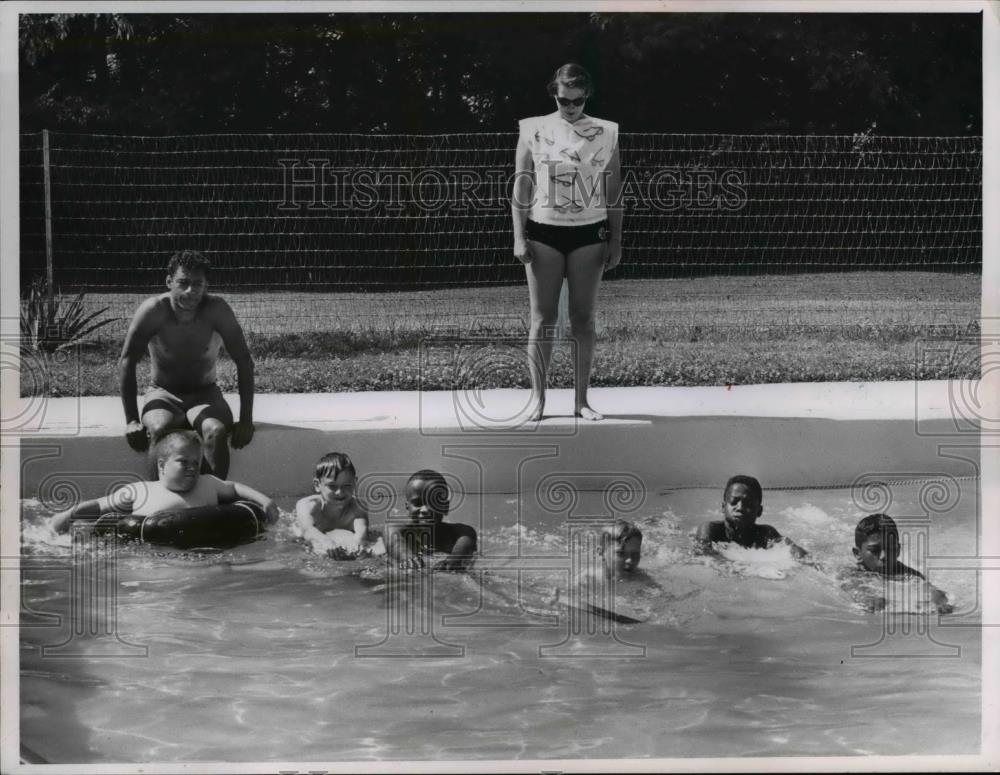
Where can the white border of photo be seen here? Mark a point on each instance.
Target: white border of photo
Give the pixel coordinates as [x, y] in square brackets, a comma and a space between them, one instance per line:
[989, 389]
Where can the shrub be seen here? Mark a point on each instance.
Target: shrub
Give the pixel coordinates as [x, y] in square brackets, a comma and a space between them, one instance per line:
[50, 323]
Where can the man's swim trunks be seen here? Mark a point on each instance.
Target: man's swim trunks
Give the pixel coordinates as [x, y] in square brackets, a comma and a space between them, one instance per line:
[195, 406]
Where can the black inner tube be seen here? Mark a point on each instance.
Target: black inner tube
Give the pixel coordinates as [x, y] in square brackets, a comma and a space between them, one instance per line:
[202, 527]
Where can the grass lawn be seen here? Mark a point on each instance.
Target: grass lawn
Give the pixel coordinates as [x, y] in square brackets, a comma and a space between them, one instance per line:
[705, 331]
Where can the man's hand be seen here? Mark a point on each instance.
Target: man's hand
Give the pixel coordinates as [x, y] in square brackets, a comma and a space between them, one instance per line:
[242, 434]
[136, 436]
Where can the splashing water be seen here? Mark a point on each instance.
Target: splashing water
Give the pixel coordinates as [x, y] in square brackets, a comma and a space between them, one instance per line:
[264, 636]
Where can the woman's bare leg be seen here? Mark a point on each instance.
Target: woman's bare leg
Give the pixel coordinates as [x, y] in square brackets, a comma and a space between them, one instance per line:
[545, 276]
[584, 267]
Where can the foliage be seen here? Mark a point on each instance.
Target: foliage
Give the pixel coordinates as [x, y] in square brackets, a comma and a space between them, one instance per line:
[915, 74]
[795, 328]
[50, 323]
[617, 364]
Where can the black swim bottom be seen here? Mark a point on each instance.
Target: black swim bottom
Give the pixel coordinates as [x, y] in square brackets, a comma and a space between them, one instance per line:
[205, 402]
[566, 239]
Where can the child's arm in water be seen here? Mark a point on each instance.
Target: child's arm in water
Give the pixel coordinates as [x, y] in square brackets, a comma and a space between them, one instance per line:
[234, 491]
[772, 537]
[853, 584]
[119, 501]
[798, 552]
[343, 543]
[704, 539]
[89, 510]
[458, 540]
[938, 598]
[306, 511]
[402, 546]
[768, 536]
[360, 522]
[460, 543]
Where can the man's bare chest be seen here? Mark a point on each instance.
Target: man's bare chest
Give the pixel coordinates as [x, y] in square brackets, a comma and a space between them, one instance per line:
[197, 340]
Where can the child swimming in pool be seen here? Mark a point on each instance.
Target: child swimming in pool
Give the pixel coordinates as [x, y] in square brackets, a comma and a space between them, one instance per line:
[876, 549]
[332, 520]
[621, 547]
[179, 486]
[617, 558]
[424, 531]
[742, 505]
[619, 551]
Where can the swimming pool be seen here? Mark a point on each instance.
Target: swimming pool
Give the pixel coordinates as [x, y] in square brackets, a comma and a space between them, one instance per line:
[268, 653]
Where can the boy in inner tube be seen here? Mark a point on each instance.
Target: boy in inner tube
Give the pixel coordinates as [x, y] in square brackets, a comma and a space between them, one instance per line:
[179, 485]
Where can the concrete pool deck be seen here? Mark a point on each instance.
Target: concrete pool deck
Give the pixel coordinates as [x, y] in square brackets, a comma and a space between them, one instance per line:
[505, 409]
[808, 434]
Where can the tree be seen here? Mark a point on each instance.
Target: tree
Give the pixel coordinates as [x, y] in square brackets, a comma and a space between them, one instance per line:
[435, 73]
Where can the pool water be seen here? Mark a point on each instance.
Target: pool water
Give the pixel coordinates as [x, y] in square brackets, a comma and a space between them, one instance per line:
[250, 654]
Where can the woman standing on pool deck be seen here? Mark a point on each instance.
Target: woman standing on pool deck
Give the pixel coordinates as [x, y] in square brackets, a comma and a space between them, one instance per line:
[567, 173]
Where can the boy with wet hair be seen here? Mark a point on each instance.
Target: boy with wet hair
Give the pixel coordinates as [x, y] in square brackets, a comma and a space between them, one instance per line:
[428, 500]
[332, 520]
[618, 553]
[876, 550]
[621, 547]
[619, 550]
[592, 586]
[742, 505]
[179, 485]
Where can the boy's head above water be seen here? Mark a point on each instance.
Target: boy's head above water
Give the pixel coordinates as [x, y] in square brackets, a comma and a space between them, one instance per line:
[178, 460]
[623, 545]
[742, 504]
[428, 498]
[335, 477]
[876, 543]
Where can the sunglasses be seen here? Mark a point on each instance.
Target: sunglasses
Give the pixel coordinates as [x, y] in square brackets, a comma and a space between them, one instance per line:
[566, 101]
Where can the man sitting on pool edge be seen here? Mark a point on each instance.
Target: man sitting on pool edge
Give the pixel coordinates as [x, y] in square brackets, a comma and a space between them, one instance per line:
[742, 505]
[184, 330]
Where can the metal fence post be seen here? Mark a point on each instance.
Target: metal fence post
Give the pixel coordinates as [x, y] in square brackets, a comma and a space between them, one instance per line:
[50, 288]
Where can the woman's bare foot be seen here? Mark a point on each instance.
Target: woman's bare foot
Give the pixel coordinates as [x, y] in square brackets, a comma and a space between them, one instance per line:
[586, 413]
